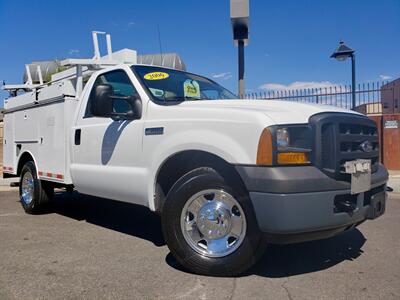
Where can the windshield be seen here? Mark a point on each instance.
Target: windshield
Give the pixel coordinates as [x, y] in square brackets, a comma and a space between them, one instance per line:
[172, 85]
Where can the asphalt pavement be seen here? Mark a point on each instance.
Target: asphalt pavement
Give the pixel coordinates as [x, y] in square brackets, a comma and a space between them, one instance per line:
[90, 248]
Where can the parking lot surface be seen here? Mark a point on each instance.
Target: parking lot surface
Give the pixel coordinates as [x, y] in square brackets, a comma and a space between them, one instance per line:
[91, 248]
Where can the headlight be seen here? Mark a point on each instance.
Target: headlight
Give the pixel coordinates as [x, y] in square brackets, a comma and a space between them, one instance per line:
[285, 145]
[282, 138]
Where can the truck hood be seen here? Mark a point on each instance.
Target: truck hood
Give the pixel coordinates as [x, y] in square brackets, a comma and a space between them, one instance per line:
[281, 112]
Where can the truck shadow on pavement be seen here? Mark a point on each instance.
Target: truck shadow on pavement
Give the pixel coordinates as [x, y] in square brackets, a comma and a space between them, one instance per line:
[302, 258]
[127, 218]
[295, 259]
[278, 260]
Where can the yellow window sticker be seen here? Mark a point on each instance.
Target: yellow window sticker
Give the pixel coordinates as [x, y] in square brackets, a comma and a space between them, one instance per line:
[191, 88]
[156, 76]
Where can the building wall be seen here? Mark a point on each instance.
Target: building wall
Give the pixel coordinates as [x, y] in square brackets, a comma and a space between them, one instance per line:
[390, 97]
[1, 145]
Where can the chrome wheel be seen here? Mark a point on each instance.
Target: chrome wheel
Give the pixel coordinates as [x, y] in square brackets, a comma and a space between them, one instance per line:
[27, 188]
[213, 223]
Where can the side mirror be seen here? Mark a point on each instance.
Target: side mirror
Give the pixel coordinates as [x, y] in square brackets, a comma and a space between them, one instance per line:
[106, 104]
[126, 107]
[101, 104]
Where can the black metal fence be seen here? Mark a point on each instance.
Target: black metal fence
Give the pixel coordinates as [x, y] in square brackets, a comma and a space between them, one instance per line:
[371, 98]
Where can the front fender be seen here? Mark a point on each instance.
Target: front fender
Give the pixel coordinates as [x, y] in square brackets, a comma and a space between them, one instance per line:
[216, 143]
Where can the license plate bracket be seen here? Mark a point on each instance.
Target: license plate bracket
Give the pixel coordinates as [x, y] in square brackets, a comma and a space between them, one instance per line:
[360, 170]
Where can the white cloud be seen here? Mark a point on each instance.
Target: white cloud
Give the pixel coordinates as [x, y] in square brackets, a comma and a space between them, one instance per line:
[223, 75]
[385, 77]
[297, 85]
[131, 23]
[73, 51]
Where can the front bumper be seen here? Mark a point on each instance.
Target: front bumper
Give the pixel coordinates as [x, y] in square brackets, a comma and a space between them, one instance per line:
[294, 204]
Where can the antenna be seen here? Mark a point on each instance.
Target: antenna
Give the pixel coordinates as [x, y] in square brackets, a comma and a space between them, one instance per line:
[159, 42]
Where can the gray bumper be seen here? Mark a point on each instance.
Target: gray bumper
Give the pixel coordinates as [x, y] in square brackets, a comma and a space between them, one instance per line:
[298, 203]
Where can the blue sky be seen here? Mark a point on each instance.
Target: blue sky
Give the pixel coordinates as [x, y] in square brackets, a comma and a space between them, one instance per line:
[290, 41]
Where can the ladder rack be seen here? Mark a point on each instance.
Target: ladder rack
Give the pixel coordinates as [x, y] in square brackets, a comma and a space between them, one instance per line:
[85, 65]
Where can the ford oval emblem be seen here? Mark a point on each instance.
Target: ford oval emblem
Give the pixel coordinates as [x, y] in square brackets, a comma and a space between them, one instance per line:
[366, 146]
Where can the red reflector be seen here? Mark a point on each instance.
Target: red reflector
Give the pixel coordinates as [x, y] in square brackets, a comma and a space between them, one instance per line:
[51, 175]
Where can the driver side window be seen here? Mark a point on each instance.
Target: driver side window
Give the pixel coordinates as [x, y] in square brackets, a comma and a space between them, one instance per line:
[121, 86]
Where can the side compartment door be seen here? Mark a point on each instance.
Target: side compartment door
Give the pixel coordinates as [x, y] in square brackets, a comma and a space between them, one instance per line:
[106, 153]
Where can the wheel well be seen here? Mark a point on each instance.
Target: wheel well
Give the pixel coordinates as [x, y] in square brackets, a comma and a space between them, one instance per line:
[179, 164]
[25, 157]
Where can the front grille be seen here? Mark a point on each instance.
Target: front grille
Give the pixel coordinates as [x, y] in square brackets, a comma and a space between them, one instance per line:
[339, 138]
[351, 138]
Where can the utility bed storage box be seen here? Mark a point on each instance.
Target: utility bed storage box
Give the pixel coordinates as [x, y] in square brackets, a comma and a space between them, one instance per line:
[36, 124]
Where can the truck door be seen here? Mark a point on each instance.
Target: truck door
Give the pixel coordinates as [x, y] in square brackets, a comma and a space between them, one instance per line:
[106, 153]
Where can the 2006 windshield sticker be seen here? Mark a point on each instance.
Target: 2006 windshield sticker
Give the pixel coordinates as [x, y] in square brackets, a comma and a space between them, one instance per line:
[191, 88]
[156, 76]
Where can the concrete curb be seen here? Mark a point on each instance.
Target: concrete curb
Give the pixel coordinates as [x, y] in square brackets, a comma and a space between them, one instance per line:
[394, 183]
[8, 189]
[5, 182]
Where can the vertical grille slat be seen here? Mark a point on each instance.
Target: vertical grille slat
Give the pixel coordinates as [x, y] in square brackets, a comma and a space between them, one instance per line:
[327, 151]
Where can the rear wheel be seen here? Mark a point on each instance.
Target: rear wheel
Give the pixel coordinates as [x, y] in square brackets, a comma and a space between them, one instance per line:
[209, 227]
[34, 194]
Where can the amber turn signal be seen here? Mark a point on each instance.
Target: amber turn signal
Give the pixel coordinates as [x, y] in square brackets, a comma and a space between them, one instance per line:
[264, 152]
[290, 158]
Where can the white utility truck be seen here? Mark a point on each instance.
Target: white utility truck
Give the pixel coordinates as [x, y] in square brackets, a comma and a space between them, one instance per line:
[227, 175]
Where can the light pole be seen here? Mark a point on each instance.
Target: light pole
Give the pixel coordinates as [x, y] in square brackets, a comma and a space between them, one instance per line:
[240, 26]
[341, 54]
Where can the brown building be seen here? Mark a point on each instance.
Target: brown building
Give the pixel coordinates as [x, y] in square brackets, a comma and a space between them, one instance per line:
[1, 140]
[390, 97]
[386, 113]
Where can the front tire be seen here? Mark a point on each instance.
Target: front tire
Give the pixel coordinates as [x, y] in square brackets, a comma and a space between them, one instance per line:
[210, 227]
[34, 194]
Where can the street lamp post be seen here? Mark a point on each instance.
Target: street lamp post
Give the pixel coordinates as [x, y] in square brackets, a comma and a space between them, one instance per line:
[240, 26]
[241, 68]
[341, 54]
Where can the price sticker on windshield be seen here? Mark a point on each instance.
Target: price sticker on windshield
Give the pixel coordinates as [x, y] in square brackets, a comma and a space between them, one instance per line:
[156, 76]
[191, 88]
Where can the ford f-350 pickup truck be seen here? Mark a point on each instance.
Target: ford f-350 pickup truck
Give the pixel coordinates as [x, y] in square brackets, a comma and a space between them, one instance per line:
[227, 175]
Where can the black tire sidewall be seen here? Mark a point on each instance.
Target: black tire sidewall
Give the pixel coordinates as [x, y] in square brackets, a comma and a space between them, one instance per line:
[35, 203]
[232, 264]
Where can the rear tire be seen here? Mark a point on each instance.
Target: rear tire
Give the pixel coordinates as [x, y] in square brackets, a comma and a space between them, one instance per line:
[34, 194]
[216, 236]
